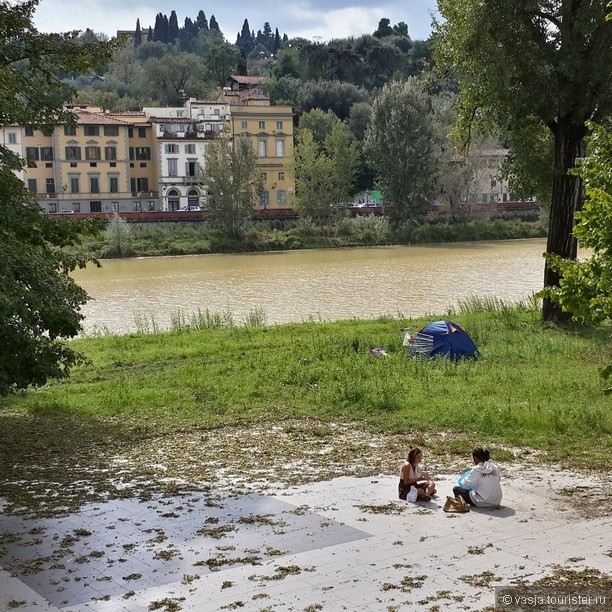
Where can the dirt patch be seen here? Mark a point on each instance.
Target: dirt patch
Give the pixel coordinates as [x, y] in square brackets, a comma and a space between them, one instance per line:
[259, 457]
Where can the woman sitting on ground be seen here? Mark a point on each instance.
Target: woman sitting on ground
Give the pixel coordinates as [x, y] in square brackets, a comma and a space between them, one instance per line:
[480, 486]
[412, 476]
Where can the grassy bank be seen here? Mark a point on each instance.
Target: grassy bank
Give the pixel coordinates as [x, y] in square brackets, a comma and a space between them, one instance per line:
[122, 240]
[535, 386]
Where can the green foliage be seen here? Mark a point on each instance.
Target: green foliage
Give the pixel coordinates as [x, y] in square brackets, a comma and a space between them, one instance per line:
[400, 147]
[319, 122]
[524, 68]
[325, 169]
[119, 238]
[39, 302]
[314, 174]
[334, 96]
[167, 78]
[234, 184]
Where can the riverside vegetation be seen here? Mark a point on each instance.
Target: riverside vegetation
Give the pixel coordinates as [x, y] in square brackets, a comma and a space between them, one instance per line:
[535, 387]
[120, 239]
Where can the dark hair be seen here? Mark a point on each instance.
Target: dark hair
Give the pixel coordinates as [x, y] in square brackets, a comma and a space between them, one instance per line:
[480, 454]
[412, 455]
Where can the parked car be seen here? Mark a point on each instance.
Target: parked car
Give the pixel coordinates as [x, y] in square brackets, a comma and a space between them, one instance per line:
[192, 208]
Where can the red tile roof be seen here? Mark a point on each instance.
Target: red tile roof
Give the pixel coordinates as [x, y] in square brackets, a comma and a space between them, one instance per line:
[88, 118]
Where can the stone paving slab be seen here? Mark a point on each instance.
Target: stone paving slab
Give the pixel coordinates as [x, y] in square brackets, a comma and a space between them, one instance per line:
[341, 544]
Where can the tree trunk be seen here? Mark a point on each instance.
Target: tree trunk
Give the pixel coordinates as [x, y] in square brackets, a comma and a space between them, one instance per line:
[566, 200]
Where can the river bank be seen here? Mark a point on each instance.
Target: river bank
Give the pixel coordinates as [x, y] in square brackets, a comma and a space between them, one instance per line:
[121, 239]
[535, 388]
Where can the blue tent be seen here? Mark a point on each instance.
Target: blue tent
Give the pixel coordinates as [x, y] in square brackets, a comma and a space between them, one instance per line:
[443, 338]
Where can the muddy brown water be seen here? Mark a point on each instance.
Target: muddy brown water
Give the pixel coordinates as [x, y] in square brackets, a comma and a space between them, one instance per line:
[294, 286]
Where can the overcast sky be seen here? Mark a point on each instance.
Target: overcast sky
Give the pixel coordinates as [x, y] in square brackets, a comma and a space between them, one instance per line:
[326, 19]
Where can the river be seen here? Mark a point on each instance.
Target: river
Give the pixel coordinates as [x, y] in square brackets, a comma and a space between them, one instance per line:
[321, 285]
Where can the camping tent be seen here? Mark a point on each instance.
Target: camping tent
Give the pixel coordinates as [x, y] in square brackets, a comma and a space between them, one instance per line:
[442, 338]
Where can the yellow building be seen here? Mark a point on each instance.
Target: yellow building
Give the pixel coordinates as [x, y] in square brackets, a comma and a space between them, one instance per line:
[269, 129]
[102, 163]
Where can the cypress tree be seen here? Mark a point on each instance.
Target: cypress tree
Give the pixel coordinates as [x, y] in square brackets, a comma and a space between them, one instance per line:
[201, 21]
[158, 29]
[277, 42]
[213, 25]
[137, 34]
[166, 28]
[173, 27]
[150, 35]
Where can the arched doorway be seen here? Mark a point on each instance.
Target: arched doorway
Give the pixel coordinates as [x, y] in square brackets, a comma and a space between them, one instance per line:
[174, 199]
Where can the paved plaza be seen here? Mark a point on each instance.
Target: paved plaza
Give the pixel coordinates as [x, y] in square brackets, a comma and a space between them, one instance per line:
[338, 544]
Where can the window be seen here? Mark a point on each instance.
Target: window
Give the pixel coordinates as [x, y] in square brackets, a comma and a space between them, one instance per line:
[46, 153]
[262, 125]
[113, 184]
[94, 184]
[91, 130]
[281, 196]
[115, 206]
[280, 148]
[171, 148]
[279, 125]
[74, 184]
[172, 167]
[262, 148]
[217, 112]
[76, 206]
[244, 125]
[142, 132]
[95, 207]
[29, 130]
[92, 153]
[73, 152]
[191, 168]
[130, 132]
[70, 130]
[265, 198]
[264, 177]
[32, 153]
[50, 185]
[32, 185]
[110, 152]
[190, 149]
[12, 138]
[281, 176]
[142, 184]
[111, 130]
[151, 205]
[141, 153]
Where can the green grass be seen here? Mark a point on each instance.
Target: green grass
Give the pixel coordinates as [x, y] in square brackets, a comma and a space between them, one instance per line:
[534, 386]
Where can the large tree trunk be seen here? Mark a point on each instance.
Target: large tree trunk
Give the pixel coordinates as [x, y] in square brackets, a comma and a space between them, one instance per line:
[566, 200]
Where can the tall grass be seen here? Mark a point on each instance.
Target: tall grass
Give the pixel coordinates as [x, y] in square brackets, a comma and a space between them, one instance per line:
[534, 385]
[123, 240]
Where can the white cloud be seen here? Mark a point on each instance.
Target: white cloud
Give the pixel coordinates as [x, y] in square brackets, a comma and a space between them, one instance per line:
[325, 18]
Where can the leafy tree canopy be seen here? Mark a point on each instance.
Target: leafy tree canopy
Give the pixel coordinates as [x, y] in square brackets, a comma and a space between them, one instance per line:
[526, 65]
[39, 301]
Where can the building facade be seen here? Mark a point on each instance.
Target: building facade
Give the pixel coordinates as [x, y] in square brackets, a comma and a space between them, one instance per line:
[154, 159]
[269, 130]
